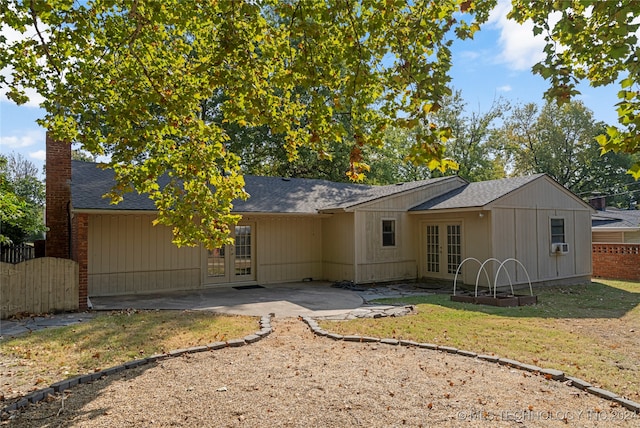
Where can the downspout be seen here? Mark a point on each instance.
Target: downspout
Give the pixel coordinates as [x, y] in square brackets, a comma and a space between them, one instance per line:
[69, 231]
[356, 243]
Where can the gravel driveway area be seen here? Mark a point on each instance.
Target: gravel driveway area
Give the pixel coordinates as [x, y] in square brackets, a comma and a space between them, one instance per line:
[294, 378]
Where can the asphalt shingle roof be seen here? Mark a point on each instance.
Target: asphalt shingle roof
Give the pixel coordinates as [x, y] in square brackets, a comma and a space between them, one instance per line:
[614, 218]
[268, 194]
[477, 194]
[89, 183]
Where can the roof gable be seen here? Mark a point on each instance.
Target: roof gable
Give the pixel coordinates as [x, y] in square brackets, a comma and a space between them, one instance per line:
[377, 193]
[542, 190]
[476, 194]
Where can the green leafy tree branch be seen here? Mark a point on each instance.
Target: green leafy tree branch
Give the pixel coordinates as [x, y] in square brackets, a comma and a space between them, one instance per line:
[597, 41]
[128, 79]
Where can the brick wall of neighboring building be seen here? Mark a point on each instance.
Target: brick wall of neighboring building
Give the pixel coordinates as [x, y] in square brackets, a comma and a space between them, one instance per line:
[58, 199]
[616, 261]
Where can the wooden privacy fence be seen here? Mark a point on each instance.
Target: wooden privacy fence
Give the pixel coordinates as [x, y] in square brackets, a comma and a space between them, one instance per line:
[38, 286]
[16, 253]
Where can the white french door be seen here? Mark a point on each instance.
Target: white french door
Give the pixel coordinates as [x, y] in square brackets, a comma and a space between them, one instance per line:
[232, 263]
[442, 249]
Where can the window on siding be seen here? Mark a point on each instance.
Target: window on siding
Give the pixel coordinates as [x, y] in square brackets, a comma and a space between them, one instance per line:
[557, 230]
[388, 233]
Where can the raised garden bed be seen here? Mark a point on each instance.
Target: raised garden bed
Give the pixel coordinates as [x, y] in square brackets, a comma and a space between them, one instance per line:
[501, 300]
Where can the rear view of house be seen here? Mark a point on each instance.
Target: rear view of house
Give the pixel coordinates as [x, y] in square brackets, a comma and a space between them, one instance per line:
[303, 229]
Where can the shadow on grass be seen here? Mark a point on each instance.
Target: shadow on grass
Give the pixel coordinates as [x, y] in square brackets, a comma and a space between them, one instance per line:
[71, 410]
[119, 331]
[593, 300]
[118, 338]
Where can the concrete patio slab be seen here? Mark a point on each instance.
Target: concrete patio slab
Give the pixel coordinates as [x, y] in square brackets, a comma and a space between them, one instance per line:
[283, 300]
[19, 326]
[316, 299]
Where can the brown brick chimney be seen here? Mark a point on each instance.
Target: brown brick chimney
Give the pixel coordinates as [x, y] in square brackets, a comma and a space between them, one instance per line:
[58, 199]
[598, 202]
[67, 236]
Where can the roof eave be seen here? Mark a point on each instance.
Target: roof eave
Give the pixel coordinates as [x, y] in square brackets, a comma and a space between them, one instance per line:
[274, 213]
[111, 211]
[333, 210]
[155, 212]
[614, 229]
[452, 210]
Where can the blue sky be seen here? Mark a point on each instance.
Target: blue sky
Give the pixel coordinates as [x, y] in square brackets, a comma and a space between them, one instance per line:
[497, 63]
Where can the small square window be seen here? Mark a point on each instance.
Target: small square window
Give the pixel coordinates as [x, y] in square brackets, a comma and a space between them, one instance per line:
[388, 233]
[557, 230]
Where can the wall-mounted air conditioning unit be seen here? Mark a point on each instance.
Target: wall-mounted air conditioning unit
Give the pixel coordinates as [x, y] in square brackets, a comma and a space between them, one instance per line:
[559, 248]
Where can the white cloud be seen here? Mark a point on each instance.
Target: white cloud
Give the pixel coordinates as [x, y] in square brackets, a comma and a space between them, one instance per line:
[22, 140]
[504, 88]
[520, 49]
[470, 55]
[40, 155]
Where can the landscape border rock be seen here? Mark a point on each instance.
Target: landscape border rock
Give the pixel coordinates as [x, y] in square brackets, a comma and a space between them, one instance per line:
[61, 386]
[266, 329]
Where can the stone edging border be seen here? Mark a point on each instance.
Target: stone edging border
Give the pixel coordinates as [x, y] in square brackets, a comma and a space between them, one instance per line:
[551, 374]
[59, 387]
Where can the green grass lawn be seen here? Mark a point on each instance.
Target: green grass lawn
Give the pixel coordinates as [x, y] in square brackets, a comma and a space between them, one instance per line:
[588, 331]
[45, 356]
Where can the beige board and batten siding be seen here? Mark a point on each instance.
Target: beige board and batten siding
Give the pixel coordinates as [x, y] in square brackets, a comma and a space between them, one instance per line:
[128, 255]
[377, 263]
[521, 230]
[404, 201]
[607, 237]
[518, 235]
[583, 250]
[385, 263]
[625, 237]
[338, 247]
[632, 237]
[288, 248]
